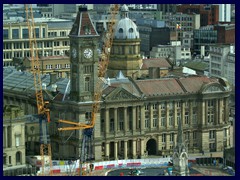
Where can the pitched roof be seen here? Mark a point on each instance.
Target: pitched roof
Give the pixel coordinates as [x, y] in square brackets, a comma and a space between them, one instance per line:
[156, 62]
[159, 87]
[83, 25]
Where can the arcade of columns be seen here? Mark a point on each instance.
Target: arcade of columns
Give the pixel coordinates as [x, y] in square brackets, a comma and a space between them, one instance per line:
[132, 135]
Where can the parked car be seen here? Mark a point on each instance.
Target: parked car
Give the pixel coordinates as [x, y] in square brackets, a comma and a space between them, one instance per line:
[135, 172]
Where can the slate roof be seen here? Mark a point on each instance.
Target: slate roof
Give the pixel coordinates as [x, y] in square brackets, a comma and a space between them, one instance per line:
[23, 82]
[82, 22]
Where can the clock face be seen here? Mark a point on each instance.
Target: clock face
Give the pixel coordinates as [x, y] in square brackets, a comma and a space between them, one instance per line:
[74, 53]
[88, 53]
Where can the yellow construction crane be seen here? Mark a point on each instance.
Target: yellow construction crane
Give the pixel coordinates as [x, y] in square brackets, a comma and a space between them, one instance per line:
[43, 111]
[103, 64]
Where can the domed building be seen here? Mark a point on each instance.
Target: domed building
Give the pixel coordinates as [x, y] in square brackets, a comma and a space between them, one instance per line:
[125, 52]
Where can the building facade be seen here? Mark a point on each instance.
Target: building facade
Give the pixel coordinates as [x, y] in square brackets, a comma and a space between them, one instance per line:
[209, 14]
[202, 38]
[222, 62]
[52, 39]
[13, 137]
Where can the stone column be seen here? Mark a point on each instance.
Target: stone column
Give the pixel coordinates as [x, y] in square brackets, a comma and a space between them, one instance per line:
[142, 147]
[206, 112]
[221, 111]
[175, 115]
[203, 112]
[125, 120]
[5, 136]
[226, 111]
[134, 119]
[142, 119]
[151, 116]
[159, 116]
[134, 143]
[116, 150]
[137, 117]
[190, 112]
[125, 149]
[217, 112]
[183, 114]
[22, 135]
[106, 122]
[115, 120]
[167, 115]
[107, 150]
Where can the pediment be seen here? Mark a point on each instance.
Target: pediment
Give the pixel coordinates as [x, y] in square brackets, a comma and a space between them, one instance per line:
[120, 94]
[212, 87]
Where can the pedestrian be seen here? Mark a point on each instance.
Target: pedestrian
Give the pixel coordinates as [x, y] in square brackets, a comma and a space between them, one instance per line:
[121, 174]
[202, 152]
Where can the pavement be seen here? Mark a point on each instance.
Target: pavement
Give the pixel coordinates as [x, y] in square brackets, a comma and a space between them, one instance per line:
[205, 170]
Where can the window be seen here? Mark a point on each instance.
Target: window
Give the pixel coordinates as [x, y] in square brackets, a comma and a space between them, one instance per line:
[56, 43]
[178, 117]
[49, 66]
[130, 30]
[58, 66]
[120, 30]
[146, 107]
[155, 120]
[162, 105]
[43, 33]
[210, 103]
[154, 106]
[111, 125]
[5, 34]
[194, 135]
[15, 34]
[186, 117]
[121, 124]
[163, 120]
[88, 69]
[102, 125]
[172, 137]
[178, 104]
[225, 133]
[67, 65]
[170, 122]
[37, 32]
[163, 138]
[210, 116]
[88, 115]
[212, 134]
[146, 123]
[87, 84]
[194, 117]
[17, 140]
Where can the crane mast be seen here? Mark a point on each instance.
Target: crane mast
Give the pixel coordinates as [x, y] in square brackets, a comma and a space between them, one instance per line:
[43, 111]
[103, 64]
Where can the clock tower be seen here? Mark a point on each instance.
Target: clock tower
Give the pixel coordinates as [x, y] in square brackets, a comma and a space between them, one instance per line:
[83, 57]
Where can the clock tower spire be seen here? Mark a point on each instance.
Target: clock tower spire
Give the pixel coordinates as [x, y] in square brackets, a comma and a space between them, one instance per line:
[83, 57]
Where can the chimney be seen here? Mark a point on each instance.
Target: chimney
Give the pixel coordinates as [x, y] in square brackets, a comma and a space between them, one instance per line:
[53, 78]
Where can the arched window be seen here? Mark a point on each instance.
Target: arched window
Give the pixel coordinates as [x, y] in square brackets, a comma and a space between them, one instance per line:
[120, 30]
[130, 30]
[87, 84]
[18, 157]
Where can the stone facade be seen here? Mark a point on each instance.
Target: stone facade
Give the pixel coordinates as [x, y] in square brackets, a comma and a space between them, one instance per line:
[13, 137]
